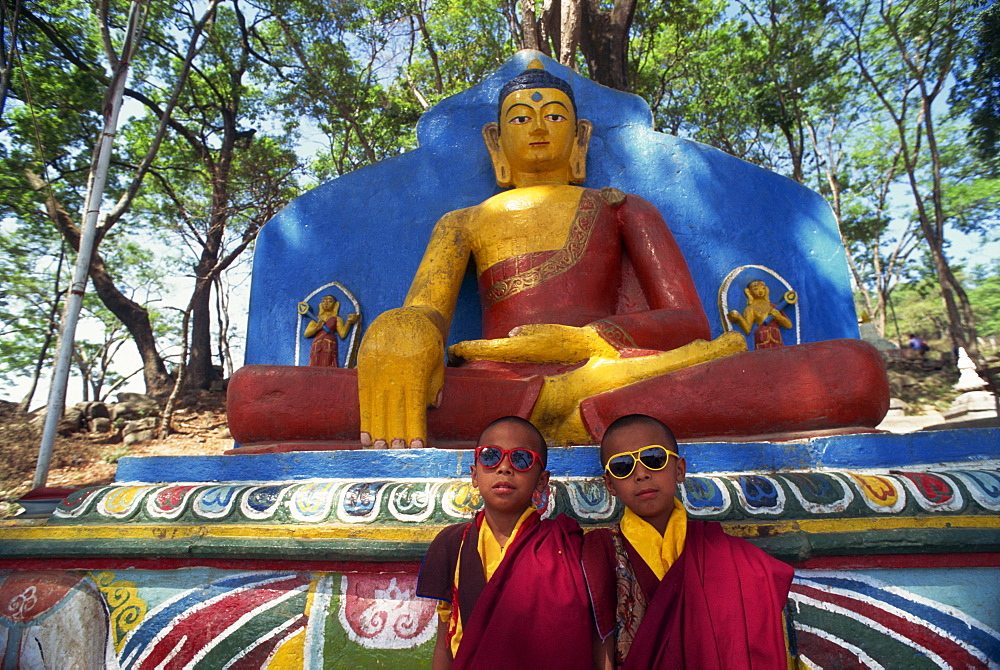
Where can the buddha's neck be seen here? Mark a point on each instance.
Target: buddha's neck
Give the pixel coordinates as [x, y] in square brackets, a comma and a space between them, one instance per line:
[554, 178]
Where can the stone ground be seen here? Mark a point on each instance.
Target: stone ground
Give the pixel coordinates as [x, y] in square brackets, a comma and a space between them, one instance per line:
[200, 429]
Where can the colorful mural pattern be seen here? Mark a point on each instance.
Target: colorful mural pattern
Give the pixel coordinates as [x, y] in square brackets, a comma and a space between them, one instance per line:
[842, 619]
[738, 496]
[210, 619]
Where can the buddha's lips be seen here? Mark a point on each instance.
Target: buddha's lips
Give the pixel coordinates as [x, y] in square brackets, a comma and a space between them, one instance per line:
[539, 144]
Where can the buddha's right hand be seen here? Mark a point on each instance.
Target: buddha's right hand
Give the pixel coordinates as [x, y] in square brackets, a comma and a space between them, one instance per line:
[400, 374]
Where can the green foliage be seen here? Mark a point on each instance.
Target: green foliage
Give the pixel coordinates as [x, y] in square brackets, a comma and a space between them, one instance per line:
[283, 95]
[985, 297]
[978, 90]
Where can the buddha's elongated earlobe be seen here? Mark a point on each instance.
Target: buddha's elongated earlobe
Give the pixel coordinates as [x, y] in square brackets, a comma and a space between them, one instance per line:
[578, 157]
[501, 168]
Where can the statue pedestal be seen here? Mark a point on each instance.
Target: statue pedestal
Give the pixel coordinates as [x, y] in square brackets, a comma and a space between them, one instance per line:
[307, 559]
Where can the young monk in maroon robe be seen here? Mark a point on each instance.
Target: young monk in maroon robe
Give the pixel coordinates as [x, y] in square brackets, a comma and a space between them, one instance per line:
[510, 584]
[681, 593]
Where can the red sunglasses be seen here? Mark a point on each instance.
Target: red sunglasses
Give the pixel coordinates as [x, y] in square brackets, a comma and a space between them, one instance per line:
[521, 459]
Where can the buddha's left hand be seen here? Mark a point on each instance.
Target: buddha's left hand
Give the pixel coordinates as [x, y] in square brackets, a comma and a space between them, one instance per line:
[536, 343]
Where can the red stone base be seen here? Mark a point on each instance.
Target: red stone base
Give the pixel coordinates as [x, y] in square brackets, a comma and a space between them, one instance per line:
[832, 387]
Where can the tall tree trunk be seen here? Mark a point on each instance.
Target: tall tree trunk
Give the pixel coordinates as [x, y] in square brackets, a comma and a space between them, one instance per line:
[200, 372]
[529, 23]
[133, 315]
[604, 41]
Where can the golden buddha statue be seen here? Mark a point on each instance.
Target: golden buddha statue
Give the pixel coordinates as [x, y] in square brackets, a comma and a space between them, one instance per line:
[589, 312]
[549, 257]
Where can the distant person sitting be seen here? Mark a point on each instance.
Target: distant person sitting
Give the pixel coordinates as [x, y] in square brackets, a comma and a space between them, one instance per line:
[919, 345]
[677, 592]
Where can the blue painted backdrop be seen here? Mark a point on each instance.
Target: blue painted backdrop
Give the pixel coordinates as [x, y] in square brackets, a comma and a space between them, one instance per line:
[368, 229]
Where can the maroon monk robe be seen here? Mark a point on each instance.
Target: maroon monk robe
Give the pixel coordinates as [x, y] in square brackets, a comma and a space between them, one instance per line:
[533, 613]
[719, 605]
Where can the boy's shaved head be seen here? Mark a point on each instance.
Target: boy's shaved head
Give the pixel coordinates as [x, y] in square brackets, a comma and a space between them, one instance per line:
[631, 421]
[538, 442]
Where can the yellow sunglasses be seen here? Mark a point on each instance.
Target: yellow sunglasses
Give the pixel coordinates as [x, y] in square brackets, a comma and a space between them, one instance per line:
[654, 457]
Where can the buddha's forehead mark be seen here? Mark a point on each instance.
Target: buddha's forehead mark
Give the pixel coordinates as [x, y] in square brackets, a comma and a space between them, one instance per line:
[536, 99]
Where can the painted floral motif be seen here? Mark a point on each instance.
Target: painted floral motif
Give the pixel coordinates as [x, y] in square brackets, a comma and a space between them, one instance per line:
[589, 499]
[819, 493]
[880, 493]
[123, 501]
[412, 502]
[705, 496]
[381, 611]
[461, 499]
[360, 502]
[261, 502]
[933, 492]
[760, 494]
[984, 485]
[215, 502]
[169, 502]
[723, 497]
[77, 503]
[312, 502]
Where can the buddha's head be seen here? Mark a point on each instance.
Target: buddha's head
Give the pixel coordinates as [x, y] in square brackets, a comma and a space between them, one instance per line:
[537, 138]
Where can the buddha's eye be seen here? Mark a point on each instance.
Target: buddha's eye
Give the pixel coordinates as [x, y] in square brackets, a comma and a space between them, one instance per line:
[555, 118]
[518, 120]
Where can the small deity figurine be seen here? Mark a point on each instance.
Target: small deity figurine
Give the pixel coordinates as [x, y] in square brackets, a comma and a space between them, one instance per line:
[763, 313]
[325, 331]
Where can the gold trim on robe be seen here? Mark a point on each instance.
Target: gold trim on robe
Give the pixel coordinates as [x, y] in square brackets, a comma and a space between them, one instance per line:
[553, 265]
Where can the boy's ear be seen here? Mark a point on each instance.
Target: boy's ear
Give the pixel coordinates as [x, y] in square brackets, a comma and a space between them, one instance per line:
[681, 469]
[543, 481]
[472, 471]
[607, 484]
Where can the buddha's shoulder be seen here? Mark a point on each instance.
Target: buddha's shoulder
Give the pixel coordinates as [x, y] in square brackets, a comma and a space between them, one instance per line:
[529, 197]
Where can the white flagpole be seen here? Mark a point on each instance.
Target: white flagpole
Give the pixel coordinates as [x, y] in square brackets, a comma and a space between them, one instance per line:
[74, 298]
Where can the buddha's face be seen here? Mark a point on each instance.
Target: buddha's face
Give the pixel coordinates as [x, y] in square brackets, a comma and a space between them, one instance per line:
[758, 289]
[537, 129]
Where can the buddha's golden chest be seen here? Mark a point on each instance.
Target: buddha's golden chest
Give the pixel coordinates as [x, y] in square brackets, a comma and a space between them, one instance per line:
[522, 221]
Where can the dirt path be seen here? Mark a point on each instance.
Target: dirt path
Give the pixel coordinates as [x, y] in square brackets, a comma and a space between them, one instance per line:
[86, 459]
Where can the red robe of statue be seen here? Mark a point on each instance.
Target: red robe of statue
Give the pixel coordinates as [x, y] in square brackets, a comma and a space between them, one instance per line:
[323, 353]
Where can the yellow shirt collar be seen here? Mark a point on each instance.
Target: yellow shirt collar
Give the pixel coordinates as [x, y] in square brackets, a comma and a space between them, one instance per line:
[490, 550]
[658, 551]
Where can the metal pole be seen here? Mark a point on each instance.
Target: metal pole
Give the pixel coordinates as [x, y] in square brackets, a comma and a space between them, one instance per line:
[74, 299]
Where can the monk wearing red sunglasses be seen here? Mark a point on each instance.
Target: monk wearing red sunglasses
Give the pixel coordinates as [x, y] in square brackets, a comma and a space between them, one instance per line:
[509, 566]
